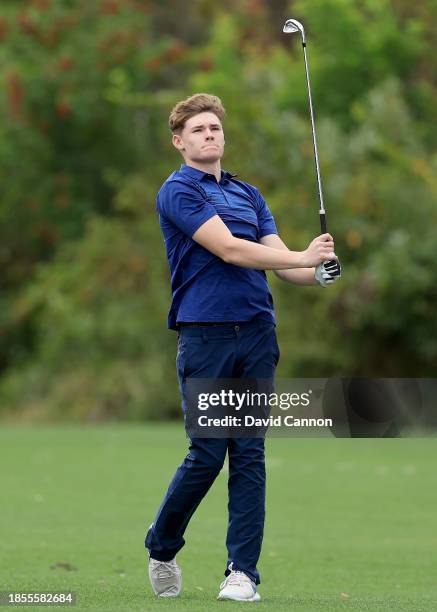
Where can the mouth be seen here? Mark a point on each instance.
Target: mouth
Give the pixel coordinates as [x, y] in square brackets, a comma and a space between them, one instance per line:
[209, 146]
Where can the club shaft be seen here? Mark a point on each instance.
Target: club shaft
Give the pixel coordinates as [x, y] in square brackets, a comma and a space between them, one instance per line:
[313, 129]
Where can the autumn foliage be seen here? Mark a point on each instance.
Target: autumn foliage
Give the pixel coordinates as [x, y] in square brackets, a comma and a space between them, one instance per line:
[84, 146]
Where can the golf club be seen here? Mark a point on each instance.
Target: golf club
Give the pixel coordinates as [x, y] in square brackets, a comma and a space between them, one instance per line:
[291, 26]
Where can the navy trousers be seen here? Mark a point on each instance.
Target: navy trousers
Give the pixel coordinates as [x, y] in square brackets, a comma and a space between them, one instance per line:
[244, 350]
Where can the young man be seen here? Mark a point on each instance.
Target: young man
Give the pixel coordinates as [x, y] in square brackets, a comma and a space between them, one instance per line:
[220, 236]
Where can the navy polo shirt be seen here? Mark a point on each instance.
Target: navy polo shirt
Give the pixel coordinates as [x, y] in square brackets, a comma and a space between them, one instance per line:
[204, 287]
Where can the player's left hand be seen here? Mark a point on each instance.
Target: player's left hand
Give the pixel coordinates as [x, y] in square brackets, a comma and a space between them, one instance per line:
[328, 272]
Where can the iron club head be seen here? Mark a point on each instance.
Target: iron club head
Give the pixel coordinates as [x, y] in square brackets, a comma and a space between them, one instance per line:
[293, 25]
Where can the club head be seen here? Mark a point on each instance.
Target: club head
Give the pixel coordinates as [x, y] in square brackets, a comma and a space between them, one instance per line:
[293, 25]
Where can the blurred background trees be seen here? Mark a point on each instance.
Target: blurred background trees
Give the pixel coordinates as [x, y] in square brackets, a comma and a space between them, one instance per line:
[84, 146]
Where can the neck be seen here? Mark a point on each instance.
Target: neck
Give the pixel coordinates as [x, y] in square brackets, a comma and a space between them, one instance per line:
[212, 168]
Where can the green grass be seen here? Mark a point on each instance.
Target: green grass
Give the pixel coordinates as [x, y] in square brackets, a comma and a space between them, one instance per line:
[343, 516]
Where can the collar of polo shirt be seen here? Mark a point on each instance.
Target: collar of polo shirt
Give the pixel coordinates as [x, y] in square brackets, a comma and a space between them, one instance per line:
[200, 174]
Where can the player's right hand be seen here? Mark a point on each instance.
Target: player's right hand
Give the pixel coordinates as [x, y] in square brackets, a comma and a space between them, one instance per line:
[320, 249]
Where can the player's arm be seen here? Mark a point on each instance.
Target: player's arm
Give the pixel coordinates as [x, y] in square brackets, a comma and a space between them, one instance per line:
[215, 236]
[298, 276]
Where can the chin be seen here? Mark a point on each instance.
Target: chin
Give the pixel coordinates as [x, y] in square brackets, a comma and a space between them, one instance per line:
[209, 158]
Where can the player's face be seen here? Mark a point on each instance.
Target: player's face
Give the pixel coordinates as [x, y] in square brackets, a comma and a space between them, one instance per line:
[202, 139]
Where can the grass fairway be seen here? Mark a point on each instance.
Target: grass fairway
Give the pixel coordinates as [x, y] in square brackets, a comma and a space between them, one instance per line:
[351, 524]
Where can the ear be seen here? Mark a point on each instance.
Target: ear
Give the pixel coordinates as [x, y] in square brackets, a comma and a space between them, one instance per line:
[177, 142]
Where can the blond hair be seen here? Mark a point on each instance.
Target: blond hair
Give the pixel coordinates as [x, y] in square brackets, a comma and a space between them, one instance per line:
[198, 103]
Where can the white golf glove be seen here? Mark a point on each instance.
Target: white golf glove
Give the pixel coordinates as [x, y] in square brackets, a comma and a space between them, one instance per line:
[328, 272]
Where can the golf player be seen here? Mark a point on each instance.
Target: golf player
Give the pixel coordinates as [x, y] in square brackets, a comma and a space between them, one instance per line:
[220, 236]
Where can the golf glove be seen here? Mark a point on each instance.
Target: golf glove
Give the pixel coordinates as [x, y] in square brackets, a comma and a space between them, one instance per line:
[328, 272]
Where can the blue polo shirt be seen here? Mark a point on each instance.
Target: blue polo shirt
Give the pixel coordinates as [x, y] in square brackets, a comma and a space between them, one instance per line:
[204, 287]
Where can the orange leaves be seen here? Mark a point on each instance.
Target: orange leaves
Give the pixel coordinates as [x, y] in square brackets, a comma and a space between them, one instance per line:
[42, 5]
[63, 109]
[65, 63]
[62, 179]
[116, 46]
[15, 93]
[62, 200]
[170, 55]
[110, 7]
[206, 63]
[136, 264]
[354, 239]
[176, 50]
[4, 28]
[26, 23]
[154, 64]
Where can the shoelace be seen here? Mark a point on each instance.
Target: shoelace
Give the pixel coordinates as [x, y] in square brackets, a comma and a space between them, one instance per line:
[235, 578]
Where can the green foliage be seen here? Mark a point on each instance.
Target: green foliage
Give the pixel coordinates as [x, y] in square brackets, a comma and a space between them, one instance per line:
[95, 310]
[87, 91]
[358, 48]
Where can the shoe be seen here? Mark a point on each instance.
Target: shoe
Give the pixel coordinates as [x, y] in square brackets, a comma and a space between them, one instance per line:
[238, 587]
[165, 577]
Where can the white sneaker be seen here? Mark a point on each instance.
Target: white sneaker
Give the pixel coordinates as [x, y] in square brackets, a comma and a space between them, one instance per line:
[238, 587]
[165, 577]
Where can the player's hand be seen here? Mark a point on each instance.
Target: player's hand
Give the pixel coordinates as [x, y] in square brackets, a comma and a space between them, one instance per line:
[319, 250]
[328, 272]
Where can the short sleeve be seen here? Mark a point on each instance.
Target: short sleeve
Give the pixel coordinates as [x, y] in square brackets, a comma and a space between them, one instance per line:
[266, 222]
[184, 206]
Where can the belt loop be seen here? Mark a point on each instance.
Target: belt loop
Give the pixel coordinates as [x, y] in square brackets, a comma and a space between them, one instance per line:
[204, 336]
